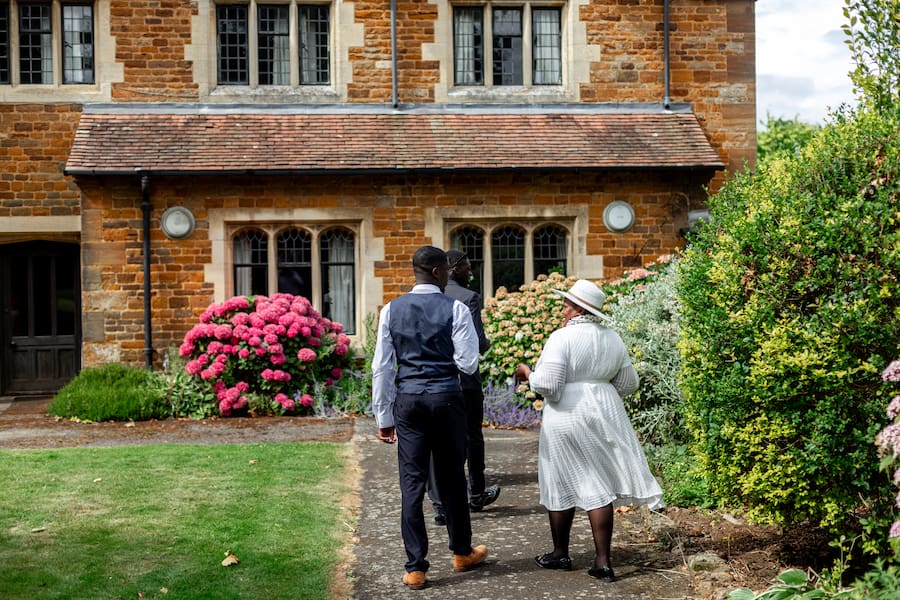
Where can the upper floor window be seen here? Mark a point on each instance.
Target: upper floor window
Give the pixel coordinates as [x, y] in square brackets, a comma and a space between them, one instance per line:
[262, 44]
[511, 255]
[55, 43]
[525, 45]
[318, 265]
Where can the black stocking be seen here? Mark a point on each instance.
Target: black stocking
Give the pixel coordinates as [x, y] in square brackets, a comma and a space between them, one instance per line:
[602, 528]
[560, 526]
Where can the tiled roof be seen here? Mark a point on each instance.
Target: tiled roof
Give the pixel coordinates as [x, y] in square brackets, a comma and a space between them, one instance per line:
[199, 141]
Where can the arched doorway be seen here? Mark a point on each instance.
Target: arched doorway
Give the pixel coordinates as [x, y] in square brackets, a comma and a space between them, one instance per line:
[40, 316]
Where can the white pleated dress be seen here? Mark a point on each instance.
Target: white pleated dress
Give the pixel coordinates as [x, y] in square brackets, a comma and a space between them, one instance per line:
[589, 455]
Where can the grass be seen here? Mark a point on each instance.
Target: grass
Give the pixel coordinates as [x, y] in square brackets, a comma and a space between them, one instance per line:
[156, 521]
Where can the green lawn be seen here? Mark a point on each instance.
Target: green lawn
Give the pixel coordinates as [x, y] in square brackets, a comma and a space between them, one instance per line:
[157, 521]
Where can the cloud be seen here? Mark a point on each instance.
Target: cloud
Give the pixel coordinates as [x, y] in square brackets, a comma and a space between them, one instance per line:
[802, 61]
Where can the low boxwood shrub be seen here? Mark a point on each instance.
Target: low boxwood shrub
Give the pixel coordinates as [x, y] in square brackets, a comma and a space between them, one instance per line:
[111, 392]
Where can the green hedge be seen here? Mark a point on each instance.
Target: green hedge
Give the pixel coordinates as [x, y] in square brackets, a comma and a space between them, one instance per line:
[790, 310]
[111, 392]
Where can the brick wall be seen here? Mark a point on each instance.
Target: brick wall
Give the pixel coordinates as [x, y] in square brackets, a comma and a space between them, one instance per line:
[712, 49]
[112, 240]
[34, 143]
[150, 42]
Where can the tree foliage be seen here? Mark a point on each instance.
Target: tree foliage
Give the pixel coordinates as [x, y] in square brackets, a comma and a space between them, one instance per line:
[873, 36]
[782, 136]
[790, 310]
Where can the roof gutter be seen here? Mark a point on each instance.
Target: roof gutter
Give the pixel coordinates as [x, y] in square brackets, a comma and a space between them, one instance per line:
[396, 171]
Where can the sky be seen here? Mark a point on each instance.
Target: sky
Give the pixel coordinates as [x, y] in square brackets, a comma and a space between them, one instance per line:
[802, 62]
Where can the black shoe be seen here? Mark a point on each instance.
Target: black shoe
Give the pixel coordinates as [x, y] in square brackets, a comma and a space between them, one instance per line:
[476, 503]
[440, 519]
[548, 562]
[604, 573]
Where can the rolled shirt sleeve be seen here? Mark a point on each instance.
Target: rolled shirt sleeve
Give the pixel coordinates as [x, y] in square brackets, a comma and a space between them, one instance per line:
[465, 339]
[384, 372]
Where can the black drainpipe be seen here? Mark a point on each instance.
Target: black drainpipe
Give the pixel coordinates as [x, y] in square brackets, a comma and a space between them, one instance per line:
[394, 102]
[667, 102]
[148, 327]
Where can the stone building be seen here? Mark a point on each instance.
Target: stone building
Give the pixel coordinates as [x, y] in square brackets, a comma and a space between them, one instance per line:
[159, 155]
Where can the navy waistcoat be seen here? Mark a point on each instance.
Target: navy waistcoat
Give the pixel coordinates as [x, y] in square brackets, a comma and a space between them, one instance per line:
[421, 327]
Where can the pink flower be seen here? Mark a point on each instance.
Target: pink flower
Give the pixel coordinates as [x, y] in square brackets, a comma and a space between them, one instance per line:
[337, 372]
[243, 353]
[314, 341]
[223, 332]
[260, 351]
[341, 349]
[305, 331]
[186, 349]
[306, 400]
[241, 403]
[306, 355]
[254, 340]
[893, 408]
[193, 367]
[242, 386]
[278, 359]
[225, 408]
[895, 530]
[267, 374]
[892, 372]
[206, 374]
[214, 347]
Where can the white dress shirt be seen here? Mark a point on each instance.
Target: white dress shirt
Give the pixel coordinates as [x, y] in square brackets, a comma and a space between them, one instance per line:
[384, 363]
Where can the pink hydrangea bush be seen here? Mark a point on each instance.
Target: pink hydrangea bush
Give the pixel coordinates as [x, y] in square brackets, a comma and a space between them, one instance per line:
[888, 441]
[266, 355]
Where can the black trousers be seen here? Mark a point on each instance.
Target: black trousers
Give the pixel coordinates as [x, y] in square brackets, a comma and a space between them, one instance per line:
[432, 426]
[474, 400]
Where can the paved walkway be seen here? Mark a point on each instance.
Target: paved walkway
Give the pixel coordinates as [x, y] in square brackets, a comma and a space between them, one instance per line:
[515, 530]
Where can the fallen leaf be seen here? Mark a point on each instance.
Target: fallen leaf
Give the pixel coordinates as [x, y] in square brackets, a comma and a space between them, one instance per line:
[129, 424]
[253, 462]
[98, 480]
[38, 529]
[230, 561]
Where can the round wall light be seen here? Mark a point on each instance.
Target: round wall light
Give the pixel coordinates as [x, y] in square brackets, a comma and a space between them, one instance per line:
[618, 216]
[177, 222]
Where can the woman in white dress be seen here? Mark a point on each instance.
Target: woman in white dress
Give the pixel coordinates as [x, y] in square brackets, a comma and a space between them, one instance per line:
[589, 456]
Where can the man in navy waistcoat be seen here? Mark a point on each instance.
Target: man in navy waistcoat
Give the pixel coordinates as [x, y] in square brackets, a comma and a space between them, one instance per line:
[425, 340]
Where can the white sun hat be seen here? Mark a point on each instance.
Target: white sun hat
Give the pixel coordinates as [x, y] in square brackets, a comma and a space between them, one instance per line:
[586, 295]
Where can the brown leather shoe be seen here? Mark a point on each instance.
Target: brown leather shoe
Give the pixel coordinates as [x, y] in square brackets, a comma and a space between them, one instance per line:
[415, 580]
[464, 562]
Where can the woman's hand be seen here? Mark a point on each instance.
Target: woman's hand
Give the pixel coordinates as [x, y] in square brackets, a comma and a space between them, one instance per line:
[522, 372]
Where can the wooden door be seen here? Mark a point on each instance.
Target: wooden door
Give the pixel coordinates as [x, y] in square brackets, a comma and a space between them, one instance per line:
[40, 341]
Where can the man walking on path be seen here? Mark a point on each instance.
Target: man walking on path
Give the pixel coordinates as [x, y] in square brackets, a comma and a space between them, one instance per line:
[479, 496]
[425, 340]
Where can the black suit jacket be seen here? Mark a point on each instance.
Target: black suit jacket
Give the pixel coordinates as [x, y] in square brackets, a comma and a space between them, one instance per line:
[473, 301]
